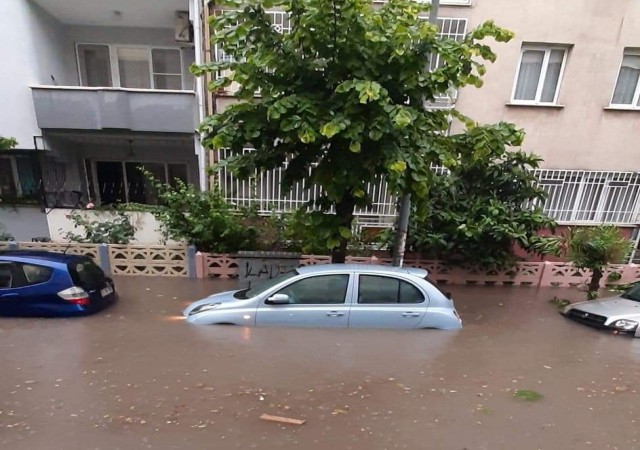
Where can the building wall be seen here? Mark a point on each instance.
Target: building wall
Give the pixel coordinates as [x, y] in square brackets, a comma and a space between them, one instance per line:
[147, 227]
[24, 222]
[30, 54]
[582, 134]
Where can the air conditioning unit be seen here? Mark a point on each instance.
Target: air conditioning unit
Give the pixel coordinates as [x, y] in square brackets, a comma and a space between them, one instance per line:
[183, 30]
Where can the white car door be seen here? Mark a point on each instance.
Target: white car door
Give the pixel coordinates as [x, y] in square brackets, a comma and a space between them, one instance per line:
[314, 301]
[384, 301]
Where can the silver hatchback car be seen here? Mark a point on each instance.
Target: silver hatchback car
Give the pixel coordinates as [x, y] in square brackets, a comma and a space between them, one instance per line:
[334, 295]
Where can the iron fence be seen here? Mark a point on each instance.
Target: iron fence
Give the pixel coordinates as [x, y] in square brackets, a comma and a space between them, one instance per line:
[574, 196]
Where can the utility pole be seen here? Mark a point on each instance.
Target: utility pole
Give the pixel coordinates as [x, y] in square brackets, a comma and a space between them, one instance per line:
[405, 204]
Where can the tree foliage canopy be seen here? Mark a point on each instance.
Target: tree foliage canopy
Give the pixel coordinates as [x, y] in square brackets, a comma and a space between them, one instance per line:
[342, 96]
[488, 203]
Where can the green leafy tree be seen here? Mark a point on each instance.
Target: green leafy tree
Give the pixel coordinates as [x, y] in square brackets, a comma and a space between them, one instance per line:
[594, 248]
[203, 219]
[489, 202]
[7, 143]
[342, 97]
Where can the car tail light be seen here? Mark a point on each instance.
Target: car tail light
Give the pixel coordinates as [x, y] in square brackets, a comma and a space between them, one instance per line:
[75, 295]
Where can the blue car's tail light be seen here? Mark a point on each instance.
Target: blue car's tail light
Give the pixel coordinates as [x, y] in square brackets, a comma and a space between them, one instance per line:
[75, 295]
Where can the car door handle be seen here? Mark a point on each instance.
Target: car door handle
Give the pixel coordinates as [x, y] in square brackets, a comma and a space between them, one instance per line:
[411, 314]
[8, 295]
[335, 314]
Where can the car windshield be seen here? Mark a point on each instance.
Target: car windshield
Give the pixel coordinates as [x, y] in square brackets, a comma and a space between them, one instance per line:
[262, 287]
[633, 293]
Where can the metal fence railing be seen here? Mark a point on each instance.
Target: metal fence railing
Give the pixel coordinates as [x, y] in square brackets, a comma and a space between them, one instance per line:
[574, 196]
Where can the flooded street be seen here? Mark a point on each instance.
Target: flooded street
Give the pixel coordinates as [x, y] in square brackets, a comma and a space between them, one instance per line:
[137, 376]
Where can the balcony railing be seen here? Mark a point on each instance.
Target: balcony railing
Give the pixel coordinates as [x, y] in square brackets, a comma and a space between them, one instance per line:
[90, 108]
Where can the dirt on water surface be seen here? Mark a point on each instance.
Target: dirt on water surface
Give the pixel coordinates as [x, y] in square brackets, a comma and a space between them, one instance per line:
[136, 376]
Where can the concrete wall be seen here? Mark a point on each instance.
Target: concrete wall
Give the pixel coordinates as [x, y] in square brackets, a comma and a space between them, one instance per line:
[53, 61]
[28, 58]
[147, 227]
[582, 134]
[24, 222]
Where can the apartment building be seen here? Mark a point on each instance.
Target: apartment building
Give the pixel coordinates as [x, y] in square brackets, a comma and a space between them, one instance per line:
[570, 78]
[94, 89]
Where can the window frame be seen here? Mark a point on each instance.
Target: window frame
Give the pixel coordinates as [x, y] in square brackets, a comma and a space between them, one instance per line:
[15, 174]
[635, 102]
[15, 266]
[397, 303]
[346, 291]
[95, 195]
[547, 49]
[114, 65]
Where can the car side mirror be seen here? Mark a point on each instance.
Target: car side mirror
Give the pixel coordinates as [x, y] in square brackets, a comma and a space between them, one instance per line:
[278, 299]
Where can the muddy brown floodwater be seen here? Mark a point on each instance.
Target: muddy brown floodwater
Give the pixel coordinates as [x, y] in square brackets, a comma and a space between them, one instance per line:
[135, 376]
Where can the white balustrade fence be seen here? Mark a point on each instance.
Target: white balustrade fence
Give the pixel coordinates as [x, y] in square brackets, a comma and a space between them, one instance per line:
[574, 196]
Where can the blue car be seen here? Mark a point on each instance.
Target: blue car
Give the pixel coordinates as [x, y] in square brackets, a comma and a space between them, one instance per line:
[47, 284]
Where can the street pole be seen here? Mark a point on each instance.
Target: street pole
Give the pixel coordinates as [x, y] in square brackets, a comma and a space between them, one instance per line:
[400, 243]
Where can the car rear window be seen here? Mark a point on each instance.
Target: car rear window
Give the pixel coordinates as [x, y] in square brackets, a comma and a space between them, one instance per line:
[86, 273]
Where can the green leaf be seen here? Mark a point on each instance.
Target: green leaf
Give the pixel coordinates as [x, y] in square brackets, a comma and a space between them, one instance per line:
[345, 232]
[330, 129]
[398, 166]
[355, 147]
[332, 243]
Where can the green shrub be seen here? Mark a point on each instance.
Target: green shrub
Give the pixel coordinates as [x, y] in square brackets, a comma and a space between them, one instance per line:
[112, 230]
[203, 219]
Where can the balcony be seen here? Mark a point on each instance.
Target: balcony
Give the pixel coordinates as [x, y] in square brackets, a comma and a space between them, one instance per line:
[107, 108]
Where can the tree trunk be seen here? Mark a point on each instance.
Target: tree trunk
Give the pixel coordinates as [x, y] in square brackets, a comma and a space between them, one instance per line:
[594, 284]
[344, 211]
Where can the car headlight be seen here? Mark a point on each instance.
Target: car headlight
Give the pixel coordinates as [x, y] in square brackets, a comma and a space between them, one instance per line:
[627, 325]
[203, 308]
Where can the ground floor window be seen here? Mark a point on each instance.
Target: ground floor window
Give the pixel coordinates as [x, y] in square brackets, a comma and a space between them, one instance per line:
[18, 177]
[124, 181]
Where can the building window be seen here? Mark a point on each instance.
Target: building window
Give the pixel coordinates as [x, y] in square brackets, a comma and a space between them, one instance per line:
[19, 177]
[591, 197]
[123, 181]
[627, 90]
[95, 65]
[129, 67]
[539, 74]
[8, 187]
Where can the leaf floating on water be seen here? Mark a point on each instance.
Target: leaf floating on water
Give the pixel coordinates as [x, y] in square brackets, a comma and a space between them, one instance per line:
[527, 395]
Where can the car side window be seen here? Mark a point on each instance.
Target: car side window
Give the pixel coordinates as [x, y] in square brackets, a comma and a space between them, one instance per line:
[6, 276]
[376, 289]
[34, 274]
[17, 275]
[318, 290]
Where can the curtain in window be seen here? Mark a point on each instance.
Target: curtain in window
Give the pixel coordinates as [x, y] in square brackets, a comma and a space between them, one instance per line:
[529, 75]
[553, 76]
[134, 68]
[627, 80]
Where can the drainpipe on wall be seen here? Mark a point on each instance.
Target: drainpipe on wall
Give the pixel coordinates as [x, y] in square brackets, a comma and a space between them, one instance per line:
[195, 11]
[636, 246]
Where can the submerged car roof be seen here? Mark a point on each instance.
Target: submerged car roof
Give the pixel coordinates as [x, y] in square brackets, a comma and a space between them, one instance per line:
[39, 255]
[363, 268]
